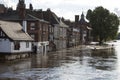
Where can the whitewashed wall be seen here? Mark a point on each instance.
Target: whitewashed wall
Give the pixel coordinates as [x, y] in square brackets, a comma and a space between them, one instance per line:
[22, 47]
[5, 45]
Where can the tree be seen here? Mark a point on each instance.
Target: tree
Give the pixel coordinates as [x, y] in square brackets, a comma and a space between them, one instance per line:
[104, 24]
[89, 13]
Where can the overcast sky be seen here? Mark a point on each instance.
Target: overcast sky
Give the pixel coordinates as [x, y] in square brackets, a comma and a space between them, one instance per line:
[68, 8]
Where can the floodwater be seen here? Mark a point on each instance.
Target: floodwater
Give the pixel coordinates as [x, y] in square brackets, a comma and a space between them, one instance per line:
[70, 64]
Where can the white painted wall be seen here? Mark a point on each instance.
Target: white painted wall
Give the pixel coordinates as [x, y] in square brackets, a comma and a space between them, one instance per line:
[5, 45]
[22, 47]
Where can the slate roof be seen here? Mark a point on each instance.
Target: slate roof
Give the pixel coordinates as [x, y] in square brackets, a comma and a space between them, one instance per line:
[14, 31]
[54, 19]
[13, 16]
[62, 24]
[35, 18]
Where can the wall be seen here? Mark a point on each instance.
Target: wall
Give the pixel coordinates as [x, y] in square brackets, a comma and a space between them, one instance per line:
[41, 45]
[63, 36]
[5, 45]
[60, 35]
[22, 47]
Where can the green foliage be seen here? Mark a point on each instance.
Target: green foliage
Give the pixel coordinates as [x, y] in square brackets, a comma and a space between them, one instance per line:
[104, 24]
[89, 13]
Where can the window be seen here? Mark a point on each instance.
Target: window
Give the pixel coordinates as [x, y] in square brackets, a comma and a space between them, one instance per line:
[44, 28]
[27, 44]
[40, 26]
[16, 45]
[32, 26]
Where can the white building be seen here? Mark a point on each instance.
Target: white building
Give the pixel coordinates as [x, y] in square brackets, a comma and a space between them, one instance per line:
[60, 35]
[13, 39]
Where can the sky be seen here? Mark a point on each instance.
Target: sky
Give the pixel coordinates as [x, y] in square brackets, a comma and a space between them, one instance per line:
[68, 8]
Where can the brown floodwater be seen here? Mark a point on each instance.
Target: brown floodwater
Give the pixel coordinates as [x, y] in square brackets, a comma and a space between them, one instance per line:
[69, 64]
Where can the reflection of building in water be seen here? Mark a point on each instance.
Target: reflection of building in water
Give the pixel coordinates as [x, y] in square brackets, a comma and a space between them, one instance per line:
[14, 67]
[39, 60]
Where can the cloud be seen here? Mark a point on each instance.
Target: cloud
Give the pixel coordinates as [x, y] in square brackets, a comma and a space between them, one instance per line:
[67, 8]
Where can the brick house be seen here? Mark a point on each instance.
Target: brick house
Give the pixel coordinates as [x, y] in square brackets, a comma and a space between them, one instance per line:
[38, 30]
[57, 29]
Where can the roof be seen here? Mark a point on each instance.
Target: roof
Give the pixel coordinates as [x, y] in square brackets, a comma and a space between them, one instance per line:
[13, 15]
[41, 20]
[63, 24]
[2, 6]
[54, 18]
[14, 31]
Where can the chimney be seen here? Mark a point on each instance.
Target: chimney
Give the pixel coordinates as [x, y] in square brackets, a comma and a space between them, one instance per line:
[49, 14]
[21, 8]
[76, 18]
[41, 14]
[24, 26]
[30, 7]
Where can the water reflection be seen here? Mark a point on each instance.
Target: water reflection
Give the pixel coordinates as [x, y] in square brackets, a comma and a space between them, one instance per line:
[39, 61]
[70, 64]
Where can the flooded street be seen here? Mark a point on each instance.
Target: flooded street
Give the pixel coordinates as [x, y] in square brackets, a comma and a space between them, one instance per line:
[70, 64]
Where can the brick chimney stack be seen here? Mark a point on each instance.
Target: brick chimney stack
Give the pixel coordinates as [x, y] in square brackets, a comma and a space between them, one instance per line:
[21, 9]
[49, 14]
[30, 6]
